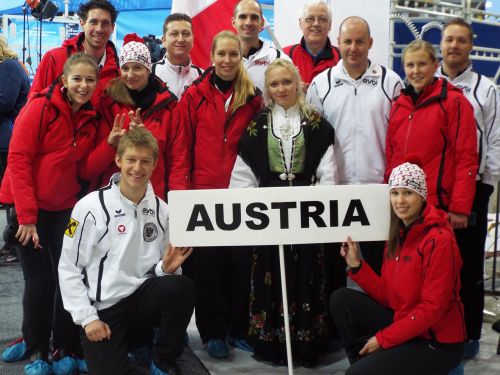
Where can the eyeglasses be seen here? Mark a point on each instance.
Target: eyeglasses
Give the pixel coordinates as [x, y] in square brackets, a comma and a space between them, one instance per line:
[321, 19]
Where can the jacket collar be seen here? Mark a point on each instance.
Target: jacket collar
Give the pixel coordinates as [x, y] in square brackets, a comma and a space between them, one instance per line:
[325, 53]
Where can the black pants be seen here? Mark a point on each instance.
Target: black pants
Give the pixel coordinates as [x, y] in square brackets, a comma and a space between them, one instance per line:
[43, 311]
[222, 280]
[166, 302]
[358, 317]
[471, 244]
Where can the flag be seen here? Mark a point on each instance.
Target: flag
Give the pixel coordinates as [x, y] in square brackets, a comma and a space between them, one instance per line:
[209, 17]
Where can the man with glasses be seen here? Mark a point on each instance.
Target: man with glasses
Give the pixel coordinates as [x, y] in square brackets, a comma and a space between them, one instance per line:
[315, 52]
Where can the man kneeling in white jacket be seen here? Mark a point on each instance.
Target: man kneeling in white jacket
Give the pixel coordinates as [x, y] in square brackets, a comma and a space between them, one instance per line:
[118, 274]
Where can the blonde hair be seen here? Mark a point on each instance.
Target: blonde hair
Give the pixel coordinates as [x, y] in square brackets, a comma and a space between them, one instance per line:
[5, 51]
[138, 137]
[243, 85]
[304, 107]
[418, 45]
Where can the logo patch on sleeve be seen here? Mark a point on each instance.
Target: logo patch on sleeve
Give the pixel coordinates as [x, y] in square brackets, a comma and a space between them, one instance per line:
[71, 228]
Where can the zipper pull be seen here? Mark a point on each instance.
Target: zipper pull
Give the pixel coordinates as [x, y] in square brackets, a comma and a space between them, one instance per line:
[225, 139]
[410, 116]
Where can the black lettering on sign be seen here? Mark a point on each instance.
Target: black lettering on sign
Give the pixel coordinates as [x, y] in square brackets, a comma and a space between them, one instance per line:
[219, 217]
[257, 215]
[355, 206]
[283, 207]
[311, 210]
[203, 221]
[334, 213]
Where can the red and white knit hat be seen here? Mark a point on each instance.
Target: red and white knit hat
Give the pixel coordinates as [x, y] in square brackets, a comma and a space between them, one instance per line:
[134, 50]
[409, 176]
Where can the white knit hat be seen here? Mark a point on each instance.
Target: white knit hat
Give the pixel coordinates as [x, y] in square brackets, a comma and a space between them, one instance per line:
[134, 50]
[409, 176]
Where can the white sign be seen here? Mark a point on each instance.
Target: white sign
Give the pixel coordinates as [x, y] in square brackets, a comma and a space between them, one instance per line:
[283, 215]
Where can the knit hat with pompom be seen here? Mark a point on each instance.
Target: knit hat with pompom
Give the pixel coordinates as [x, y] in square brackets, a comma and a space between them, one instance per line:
[134, 50]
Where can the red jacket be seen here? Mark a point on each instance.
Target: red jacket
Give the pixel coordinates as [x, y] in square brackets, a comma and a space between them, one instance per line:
[308, 67]
[212, 133]
[161, 118]
[48, 153]
[421, 285]
[440, 129]
[52, 64]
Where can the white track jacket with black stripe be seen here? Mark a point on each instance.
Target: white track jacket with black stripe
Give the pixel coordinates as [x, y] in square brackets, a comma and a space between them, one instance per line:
[111, 246]
[359, 111]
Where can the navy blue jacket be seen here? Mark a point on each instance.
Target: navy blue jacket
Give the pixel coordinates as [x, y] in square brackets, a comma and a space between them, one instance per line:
[14, 88]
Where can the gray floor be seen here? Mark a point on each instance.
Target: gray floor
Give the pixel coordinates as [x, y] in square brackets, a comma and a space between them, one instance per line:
[239, 362]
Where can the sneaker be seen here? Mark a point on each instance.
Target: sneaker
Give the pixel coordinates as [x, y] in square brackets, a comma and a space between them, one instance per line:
[83, 368]
[217, 348]
[166, 368]
[142, 356]
[38, 367]
[240, 344]
[459, 370]
[15, 351]
[471, 348]
[65, 366]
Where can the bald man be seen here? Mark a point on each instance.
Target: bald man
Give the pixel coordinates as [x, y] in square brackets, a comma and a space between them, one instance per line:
[248, 21]
[355, 97]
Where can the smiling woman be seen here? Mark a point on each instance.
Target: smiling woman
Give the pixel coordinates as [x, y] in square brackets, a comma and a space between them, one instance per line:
[214, 111]
[439, 121]
[138, 98]
[80, 81]
[51, 148]
[394, 325]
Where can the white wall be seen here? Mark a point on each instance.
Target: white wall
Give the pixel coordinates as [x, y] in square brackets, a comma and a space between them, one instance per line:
[375, 12]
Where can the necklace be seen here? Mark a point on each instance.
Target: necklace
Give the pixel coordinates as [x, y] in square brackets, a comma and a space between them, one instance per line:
[286, 134]
[286, 129]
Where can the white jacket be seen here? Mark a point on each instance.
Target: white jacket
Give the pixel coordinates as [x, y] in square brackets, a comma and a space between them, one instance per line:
[483, 95]
[359, 112]
[111, 246]
[177, 78]
[257, 63]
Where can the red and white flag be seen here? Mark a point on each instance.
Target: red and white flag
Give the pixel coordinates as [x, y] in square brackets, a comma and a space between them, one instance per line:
[209, 17]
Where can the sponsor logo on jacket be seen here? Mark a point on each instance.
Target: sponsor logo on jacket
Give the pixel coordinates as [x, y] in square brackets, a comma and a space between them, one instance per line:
[148, 211]
[119, 213]
[371, 82]
[261, 62]
[466, 89]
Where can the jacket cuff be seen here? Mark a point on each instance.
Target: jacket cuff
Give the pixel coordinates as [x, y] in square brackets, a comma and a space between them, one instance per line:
[159, 270]
[90, 319]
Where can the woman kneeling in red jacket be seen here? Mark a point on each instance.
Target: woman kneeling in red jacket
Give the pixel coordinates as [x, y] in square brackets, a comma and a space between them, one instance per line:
[411, 319]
